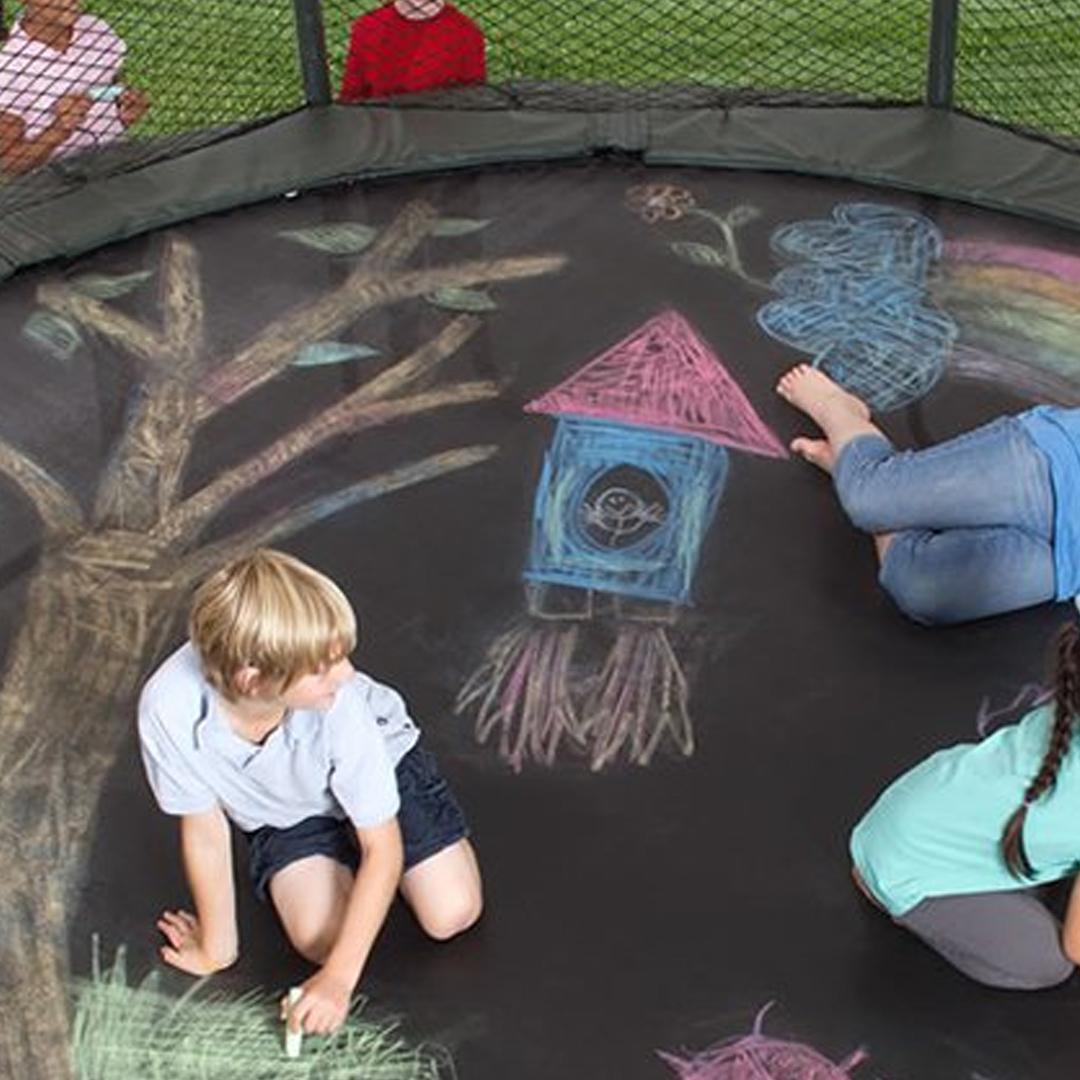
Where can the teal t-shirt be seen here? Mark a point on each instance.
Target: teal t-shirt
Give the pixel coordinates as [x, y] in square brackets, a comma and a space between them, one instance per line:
[1056, 432]
[936, 831]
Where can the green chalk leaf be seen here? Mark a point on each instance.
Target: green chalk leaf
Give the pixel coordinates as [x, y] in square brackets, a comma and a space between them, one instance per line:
[700, 254]
[52, 334]
[462, 299]
[742, 214]
[109, 286]
[459, 226]
[344, 238]
[332, 352]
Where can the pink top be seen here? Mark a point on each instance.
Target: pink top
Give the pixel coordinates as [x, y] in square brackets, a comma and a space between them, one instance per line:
[34, 76]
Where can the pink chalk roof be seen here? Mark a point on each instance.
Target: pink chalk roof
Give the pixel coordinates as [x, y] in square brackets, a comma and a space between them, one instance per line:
[664, 376]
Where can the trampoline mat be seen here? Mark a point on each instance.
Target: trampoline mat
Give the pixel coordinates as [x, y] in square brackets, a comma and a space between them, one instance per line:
[586, 452]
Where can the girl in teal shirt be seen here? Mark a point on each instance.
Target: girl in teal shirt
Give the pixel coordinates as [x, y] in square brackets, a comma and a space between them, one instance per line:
[954, 849]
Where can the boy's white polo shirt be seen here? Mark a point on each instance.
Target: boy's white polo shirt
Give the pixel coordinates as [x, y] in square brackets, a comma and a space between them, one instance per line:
[338, 763]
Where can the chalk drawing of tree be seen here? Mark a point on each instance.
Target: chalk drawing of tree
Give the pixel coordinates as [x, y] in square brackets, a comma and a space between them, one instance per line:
[111, 576]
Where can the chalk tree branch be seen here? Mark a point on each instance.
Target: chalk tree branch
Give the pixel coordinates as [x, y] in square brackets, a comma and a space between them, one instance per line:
[59, 512]
[364, 290]
[144, 343]
[145, 470]
[182, 305]
[400, 238]
[340, 418]
[210, 556]
[407, 284]
[140, 485]
[274, 347]
[420, 363]
[195, 511]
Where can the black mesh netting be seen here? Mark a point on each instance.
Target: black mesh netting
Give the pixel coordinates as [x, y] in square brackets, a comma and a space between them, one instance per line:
[671, 53]
[1018, 63]
[92, 86]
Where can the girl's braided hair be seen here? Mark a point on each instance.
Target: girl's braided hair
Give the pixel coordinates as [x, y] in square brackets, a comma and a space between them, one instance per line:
[1066, 709]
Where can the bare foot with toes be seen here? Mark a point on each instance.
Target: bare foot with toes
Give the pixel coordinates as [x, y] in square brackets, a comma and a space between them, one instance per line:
[840, 414]
[814, 393]
[817, 451]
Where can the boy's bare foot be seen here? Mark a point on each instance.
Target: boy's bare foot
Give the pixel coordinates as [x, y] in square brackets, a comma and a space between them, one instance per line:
[824, 401]
[818, 452]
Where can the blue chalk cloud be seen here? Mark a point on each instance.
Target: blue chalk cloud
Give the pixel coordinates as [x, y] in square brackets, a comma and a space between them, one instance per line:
[855, 299]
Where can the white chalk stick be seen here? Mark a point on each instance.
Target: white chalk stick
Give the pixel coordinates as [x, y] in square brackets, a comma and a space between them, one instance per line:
[293, 1039]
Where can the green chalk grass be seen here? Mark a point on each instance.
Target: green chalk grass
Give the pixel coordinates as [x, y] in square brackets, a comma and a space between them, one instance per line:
[123, 1031]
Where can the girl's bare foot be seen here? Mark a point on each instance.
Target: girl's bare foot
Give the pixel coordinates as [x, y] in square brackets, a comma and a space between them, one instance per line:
[824, 401]
[818, 452]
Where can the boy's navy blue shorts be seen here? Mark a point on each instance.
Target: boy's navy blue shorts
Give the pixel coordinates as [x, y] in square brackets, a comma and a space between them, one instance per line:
[430, 819]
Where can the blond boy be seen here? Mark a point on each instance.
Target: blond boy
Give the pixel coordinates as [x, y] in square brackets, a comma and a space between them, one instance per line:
[262, 720]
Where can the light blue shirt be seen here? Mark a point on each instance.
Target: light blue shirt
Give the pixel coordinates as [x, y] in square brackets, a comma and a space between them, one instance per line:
[936, 831]
[338, 763]
[1056, 432]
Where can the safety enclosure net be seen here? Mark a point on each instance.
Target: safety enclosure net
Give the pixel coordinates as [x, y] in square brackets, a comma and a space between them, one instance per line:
[89, 87]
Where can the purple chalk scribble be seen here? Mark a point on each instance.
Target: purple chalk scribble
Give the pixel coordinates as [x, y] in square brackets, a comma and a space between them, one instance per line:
[757, 1057]
[1029, 696]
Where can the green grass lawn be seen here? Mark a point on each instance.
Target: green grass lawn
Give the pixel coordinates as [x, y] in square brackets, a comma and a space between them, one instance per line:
[213, 61]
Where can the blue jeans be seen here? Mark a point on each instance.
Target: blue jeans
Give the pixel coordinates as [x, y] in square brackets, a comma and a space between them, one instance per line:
[973, 518]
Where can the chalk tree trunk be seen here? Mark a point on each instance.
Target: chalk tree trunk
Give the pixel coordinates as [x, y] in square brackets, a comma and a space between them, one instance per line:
[91, 628]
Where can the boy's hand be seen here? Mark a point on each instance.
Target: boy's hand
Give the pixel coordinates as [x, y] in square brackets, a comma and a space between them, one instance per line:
[132, 105]
[323, 1005]
[185, 949]
[70, 111]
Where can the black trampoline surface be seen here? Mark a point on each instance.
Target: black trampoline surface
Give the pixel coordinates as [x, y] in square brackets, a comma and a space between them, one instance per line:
[639, 907]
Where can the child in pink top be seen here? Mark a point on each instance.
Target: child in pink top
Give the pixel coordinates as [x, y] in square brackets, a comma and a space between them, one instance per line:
[58, 85]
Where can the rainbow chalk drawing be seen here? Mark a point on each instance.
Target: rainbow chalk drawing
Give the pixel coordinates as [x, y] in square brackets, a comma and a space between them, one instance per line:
[855, 298]
[628, 490]
[1018, 311]
[758, 1057]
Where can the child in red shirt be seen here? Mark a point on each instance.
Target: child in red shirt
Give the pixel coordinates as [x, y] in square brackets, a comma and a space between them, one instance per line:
[410, 45]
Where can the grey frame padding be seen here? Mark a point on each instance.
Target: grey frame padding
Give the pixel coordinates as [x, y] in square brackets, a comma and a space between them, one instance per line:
[911, 148]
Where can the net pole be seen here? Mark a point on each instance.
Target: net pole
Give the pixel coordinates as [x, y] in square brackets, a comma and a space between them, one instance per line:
[941, 62]
[311, 45]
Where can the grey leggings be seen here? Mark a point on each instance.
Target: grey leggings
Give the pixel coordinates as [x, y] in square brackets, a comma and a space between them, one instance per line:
[1005, 939]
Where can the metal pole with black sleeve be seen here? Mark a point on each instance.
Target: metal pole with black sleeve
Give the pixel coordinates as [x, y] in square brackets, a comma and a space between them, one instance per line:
[311, 44]
[941, 63]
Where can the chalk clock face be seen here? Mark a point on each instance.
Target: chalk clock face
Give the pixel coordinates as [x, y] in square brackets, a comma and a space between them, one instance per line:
[622, 507]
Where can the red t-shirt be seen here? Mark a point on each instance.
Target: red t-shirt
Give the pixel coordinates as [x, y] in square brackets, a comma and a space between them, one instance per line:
[389, 54]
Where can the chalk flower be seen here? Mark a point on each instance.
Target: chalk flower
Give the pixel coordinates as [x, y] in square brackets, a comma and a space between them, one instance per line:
[659, 202]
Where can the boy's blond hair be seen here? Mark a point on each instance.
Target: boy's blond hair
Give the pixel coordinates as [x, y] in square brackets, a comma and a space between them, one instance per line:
[269, 611]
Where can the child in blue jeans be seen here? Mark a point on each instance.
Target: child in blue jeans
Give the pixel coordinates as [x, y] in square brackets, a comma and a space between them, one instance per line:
[981, 524]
